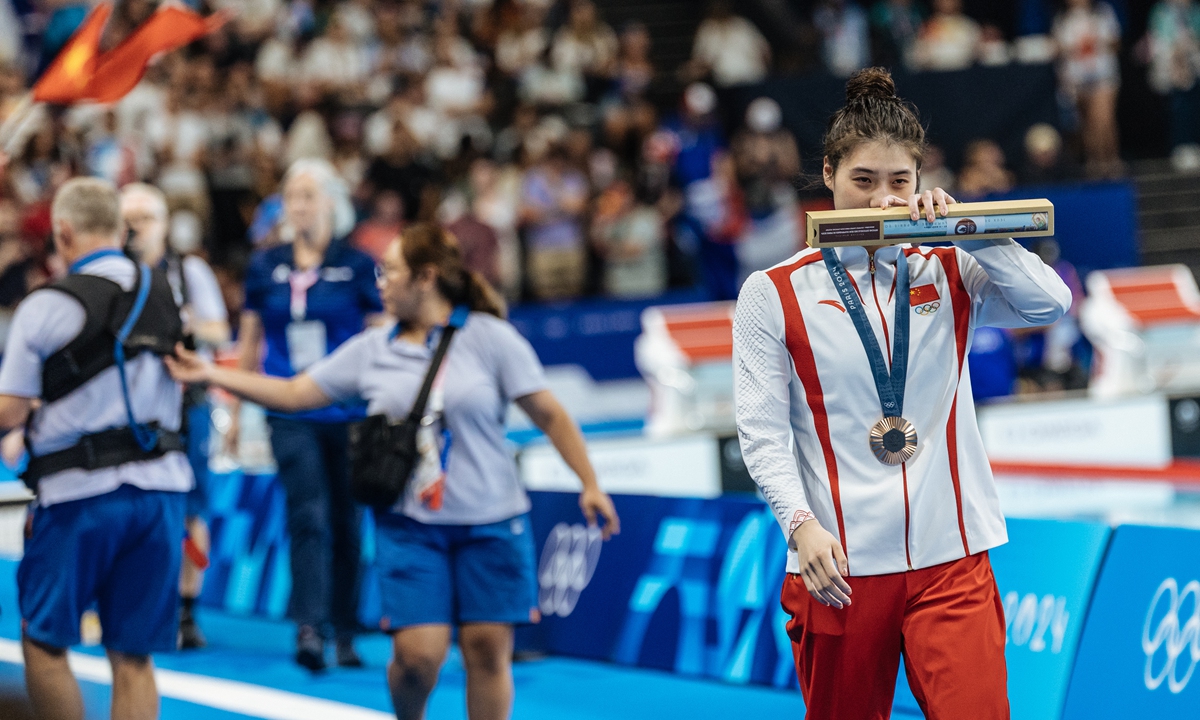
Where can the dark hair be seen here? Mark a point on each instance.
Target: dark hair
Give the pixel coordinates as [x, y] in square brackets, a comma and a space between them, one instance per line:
[873, 112]
[427, 244]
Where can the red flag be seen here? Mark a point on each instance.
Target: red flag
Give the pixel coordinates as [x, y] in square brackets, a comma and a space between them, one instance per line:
[75, 65]
[120, 69]
[922, 294]
[110, 76]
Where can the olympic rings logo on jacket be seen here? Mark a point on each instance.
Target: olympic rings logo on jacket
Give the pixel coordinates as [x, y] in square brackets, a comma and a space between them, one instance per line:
[927, 308]
[1174, 636]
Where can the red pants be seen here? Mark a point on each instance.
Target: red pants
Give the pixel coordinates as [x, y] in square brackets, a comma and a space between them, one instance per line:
[947, 620]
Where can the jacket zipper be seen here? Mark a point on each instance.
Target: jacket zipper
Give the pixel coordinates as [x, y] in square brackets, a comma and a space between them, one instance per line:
[903, 467]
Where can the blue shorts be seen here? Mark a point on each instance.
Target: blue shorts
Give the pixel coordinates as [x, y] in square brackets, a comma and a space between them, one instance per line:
[455, 574]
[121, 551]
[199, 429]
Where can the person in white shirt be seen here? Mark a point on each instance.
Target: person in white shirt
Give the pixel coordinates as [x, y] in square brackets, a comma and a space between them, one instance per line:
[206, 321]
[885, 496]
[730, 48]
[106, 461]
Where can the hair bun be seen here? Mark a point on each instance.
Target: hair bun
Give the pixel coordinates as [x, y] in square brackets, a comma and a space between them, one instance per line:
[873, 82]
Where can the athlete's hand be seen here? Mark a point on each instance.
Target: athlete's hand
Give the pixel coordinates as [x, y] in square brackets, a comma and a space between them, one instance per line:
[595, 502]
[933, 201]
[187, 367]
[822, 564]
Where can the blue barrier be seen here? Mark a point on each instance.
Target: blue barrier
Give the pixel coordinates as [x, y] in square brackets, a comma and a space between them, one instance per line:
[691, 586]
[1141, 644]
[597, 334]
[1045, 574]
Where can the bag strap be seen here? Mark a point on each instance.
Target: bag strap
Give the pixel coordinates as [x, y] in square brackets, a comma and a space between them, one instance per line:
[457, 319]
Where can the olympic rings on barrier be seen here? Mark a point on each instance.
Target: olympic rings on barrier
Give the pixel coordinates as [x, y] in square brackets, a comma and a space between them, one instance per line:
[568, 561]
[1175, 637]
[928, 308]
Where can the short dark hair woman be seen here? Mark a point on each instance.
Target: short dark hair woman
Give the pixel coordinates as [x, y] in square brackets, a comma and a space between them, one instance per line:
[854, 410]
[458, 550]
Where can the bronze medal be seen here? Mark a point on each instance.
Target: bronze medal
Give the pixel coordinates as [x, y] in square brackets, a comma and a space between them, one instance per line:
[893, 440]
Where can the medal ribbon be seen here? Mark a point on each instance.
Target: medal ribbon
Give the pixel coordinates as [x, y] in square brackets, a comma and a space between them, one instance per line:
[301, 281]
[889, 385]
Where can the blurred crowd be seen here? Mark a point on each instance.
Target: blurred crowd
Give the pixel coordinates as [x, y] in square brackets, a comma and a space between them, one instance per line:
[563, 159]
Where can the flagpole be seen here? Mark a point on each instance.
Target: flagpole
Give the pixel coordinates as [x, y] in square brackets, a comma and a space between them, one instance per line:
[10, 131]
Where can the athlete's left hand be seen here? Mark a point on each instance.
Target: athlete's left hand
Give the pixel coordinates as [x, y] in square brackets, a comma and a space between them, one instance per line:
[933, 201]
[595, 502]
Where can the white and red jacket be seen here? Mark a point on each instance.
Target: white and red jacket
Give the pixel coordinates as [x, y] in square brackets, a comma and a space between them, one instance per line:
[806, 400]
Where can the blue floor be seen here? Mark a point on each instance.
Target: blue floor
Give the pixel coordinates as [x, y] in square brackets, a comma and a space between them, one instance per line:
[258, 652]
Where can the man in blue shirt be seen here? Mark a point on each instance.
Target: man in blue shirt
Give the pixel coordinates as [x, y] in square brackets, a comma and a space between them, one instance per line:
[106, 460]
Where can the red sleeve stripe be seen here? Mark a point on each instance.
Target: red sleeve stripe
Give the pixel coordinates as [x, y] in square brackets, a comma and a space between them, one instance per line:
[796, 338]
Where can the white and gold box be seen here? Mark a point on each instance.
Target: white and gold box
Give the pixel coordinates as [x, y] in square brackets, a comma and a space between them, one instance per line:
[965, 221]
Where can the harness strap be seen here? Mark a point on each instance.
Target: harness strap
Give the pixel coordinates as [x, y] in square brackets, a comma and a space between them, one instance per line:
[96, 451]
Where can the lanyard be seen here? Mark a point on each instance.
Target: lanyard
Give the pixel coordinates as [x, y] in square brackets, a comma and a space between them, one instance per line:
[301, 281]
[890, 386]
[94, 255]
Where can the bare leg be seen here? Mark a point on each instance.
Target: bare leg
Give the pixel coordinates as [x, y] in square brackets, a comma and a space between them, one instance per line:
[134, 695]
[53, 691]
[418, 654]
[191, 578]
[487, 654]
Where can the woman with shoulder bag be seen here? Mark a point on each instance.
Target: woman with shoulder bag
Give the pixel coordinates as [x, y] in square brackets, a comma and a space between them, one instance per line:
[457, 550]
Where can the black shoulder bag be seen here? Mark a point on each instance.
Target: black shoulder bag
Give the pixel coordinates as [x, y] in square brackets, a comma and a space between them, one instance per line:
[383, 454]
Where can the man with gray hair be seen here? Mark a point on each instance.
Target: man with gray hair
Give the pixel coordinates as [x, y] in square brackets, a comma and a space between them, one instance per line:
[83, 373]
[205, 326]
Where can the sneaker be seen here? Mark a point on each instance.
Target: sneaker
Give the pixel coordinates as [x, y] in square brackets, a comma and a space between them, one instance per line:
[190, 637]
[347, 656]
[310, 649]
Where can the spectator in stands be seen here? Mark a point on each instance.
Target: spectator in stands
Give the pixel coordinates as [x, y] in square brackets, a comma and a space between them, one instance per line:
[1174, 45]
[334, 65]
[729, 49]
[984, 171]
[847, 41]
[1044, 160]
[522, 39]
[949, 40]
[373, 235]
[494, 192]
[767, 163]
[1088, 36]
[402, 170]
[554, 197]
[630, 238]
[994, 50]
[894, 28]
[17, 262]
[934, 172]
[477, 241]
[635, 70]
[697, 135]
[588, 46]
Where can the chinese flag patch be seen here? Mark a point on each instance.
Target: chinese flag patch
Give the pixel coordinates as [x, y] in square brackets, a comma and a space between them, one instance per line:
[922, 294]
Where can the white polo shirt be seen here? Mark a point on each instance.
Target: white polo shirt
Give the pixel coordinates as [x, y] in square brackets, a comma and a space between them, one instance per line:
[44, 323]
